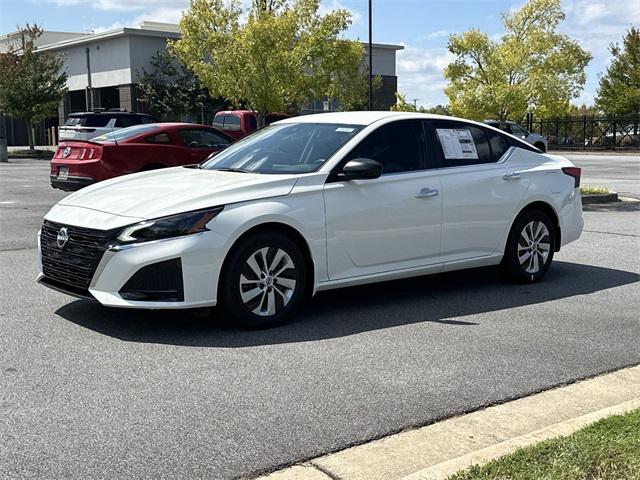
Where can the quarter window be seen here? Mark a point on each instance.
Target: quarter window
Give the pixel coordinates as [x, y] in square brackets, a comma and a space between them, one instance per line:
[162, 137]
[499, 145]
[397, 146]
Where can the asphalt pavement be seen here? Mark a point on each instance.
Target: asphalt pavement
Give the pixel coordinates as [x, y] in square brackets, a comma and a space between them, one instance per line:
[89, 392]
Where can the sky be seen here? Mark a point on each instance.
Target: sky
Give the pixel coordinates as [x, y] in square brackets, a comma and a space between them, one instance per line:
[421, 26]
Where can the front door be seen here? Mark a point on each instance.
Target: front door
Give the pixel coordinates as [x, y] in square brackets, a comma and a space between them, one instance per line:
[389, 223]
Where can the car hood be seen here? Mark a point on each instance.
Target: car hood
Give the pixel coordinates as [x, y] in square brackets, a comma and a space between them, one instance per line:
[173, 190]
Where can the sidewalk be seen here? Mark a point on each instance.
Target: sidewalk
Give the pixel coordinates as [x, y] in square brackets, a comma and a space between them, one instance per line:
[439, 450]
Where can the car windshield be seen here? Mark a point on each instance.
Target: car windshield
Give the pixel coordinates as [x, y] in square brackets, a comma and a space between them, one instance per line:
[124, 133]
[284, 148]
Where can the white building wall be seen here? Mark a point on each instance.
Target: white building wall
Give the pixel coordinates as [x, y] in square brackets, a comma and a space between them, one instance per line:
[109, 59]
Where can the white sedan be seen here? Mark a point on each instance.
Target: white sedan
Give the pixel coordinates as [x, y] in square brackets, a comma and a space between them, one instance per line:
[313, 203]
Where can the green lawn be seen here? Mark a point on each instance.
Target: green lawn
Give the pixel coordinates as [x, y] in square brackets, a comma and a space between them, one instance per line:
[607, 450]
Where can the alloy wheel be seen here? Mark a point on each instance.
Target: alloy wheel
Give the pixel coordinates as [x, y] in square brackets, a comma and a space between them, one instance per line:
[534, 246]
[267, 281]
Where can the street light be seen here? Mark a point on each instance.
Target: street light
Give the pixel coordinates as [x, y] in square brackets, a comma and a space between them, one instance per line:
[370, 61]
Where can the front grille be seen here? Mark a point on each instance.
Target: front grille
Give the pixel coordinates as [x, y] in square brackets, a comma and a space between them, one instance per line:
[74, 264]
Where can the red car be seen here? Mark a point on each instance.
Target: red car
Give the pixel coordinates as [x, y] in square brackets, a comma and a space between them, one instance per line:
[239, 123]
[77, 164]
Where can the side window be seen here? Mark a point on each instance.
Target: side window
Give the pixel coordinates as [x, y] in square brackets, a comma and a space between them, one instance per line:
[462, 144]
[162, 137]
[144, 119]
[209, 139]
[123, 121]
[397, 146]
[202, 139]
[499, 145]
[231, 122]
[253, 121]
[518, 131]
[218, 120]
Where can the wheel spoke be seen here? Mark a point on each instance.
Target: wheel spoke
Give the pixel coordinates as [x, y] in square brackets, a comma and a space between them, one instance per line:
[250, 294]
[286, 282]
[525, 235]
[271, 302]
[544, 247]
[524, 258]
[539, 230]
[258, 310]
[253, 264]
[280, 254]
[535, 266]
[246, 281]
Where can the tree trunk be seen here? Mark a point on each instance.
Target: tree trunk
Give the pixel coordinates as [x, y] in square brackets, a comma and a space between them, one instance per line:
[30, 136]
[261, 117]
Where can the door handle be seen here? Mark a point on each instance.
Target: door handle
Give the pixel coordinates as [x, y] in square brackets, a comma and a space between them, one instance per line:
[427, 192]
[511, 176]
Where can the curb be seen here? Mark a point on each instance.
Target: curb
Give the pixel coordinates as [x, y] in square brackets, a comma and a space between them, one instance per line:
[600, 198]
[436, 451]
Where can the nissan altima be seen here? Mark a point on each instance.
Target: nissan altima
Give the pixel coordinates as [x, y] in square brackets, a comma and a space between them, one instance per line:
[313, 203]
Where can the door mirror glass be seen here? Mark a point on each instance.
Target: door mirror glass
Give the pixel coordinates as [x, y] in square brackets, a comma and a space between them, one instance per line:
[361, 169]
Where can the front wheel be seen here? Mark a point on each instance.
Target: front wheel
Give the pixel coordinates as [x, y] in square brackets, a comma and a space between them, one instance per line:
[264, 281]
[530, 247]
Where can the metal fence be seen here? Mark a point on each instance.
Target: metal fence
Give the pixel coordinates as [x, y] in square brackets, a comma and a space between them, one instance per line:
[589, 132]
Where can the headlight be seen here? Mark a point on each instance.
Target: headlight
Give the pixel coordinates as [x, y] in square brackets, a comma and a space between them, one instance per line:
[167, 227]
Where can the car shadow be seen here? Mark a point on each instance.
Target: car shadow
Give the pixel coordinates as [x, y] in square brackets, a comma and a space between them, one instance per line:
[440, 299]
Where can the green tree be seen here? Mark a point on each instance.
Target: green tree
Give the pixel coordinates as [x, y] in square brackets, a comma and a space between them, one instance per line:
[438, 110]
[619, 89]
[285, 53]
[32, 83]
[170, 90]
[531, 68]
[402, 105]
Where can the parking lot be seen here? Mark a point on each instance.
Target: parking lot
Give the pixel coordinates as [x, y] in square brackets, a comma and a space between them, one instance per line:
[90, 392]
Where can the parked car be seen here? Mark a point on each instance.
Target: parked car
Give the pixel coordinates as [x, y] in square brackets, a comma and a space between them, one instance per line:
[77, 164]
[314, 203]
[535, 139]
[88, 125]
[239, 123]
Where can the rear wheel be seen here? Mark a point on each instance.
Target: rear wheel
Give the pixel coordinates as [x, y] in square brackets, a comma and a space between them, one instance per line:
[264, 281]
[530, 247]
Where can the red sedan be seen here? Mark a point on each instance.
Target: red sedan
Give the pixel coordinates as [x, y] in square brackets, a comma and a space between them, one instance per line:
[134, 149]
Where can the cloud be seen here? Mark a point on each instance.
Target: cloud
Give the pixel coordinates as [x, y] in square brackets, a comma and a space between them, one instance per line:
[327, 6]
[122, 5]
[421, 74]
[436, 34]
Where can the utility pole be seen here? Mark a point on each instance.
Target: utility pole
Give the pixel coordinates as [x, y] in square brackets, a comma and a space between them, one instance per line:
[415, 103]
[89, 96]
[370, 59]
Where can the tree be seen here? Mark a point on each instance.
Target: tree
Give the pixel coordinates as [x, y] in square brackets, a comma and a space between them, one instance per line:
[402, 105]
[284, 54]
[170, 90]
[619, 89]
[32, 83]
[438, 110]
[532, 68]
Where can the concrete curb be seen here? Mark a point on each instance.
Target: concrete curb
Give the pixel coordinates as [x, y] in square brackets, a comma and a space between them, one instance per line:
[436, 451]
[600, 198]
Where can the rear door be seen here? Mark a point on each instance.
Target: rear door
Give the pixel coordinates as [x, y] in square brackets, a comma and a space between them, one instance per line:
[480, 193]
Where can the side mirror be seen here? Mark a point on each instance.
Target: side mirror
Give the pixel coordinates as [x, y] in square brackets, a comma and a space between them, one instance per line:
[361, 169]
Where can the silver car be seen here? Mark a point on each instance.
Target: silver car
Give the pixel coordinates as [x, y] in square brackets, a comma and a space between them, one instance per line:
[535, 139]
[87, 125]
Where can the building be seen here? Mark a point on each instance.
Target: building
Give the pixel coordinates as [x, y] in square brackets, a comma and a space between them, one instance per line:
[103, 68]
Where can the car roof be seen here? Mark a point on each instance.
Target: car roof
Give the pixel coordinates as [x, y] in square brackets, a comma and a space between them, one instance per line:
[107, 112]
[367, 118]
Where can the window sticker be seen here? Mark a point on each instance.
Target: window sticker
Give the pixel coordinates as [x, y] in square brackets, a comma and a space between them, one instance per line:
[457, 143]
[345, 129]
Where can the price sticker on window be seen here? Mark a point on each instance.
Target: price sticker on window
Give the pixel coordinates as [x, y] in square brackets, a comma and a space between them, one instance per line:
[457, 143]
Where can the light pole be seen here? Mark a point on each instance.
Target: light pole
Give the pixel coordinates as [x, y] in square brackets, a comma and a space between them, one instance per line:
[370, 60]
[4, 155]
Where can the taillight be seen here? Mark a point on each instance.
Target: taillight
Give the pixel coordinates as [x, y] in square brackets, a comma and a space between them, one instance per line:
[575, 173]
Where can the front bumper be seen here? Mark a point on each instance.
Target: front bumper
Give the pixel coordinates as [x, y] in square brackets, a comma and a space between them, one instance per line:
[200, 258]
[72, 183]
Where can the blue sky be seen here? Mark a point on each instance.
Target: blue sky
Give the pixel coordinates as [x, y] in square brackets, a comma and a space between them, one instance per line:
[422, 26]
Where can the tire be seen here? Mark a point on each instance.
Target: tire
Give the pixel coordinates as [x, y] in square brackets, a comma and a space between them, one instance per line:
[258, 297]
[530, 247]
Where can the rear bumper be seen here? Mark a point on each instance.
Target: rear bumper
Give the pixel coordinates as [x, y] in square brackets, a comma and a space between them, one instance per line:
[71, 183]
